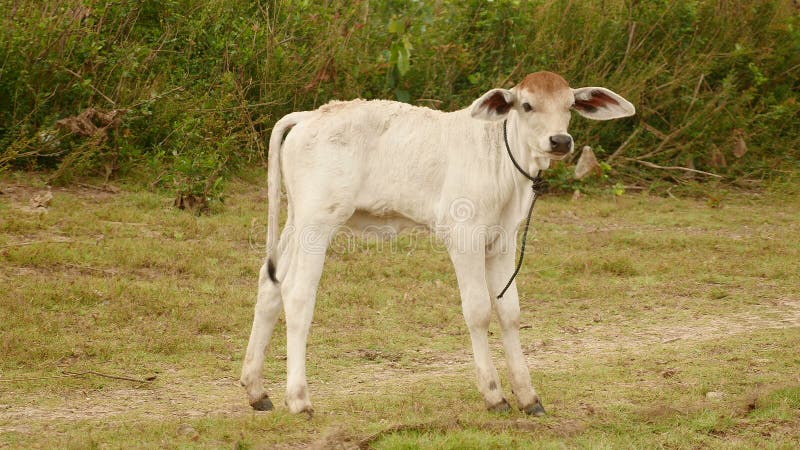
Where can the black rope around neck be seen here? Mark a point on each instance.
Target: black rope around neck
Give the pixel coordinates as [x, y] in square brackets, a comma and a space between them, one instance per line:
[536, 184]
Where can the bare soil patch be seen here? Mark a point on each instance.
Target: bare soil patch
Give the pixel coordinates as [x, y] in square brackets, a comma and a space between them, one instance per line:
[174, 397]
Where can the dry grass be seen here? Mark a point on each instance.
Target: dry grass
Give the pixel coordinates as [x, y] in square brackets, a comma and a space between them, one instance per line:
[648, 321]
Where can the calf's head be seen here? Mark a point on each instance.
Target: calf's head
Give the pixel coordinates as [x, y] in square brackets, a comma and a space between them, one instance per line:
[542, 103]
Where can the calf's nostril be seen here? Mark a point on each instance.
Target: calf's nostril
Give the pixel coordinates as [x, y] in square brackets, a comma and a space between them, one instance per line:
[561, 143]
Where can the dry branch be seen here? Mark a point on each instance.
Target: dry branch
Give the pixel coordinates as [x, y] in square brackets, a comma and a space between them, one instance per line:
[66, 374]
[686, 169]
[619, 149]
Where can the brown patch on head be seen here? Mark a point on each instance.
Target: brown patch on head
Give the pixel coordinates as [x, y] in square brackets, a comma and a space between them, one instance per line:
[543, 83]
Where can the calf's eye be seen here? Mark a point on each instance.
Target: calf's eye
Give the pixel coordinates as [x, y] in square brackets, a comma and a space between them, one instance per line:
[527, 107]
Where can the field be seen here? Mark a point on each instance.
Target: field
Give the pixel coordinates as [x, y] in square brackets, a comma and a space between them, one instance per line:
[660, 309]
[648, 321]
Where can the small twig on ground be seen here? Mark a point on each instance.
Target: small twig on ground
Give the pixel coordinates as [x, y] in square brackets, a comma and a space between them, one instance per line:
[23, 244]
[114, 377]
[66, 374]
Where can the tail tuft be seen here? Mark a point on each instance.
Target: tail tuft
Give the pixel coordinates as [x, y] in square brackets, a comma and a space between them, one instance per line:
[271, 271]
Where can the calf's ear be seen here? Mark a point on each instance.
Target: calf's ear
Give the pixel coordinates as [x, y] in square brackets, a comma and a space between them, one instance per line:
[493, 105]
[601, 104]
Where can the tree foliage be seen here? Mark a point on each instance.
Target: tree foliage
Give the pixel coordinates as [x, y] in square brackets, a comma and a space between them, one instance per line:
[199, 83]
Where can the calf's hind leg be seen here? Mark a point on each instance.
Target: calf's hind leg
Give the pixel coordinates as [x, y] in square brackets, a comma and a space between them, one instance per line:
[299, 291]
[267, 310]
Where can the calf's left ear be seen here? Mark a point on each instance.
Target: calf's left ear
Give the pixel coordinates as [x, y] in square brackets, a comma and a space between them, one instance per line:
[493, 105]
[601, 104]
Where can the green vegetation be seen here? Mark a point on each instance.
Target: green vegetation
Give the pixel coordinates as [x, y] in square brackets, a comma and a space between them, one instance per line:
[648, 322]
[196, 85]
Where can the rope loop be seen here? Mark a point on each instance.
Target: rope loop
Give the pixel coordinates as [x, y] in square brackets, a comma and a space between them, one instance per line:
[536, 185]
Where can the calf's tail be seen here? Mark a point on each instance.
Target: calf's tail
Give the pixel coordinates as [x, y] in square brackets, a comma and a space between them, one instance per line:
[274, 185]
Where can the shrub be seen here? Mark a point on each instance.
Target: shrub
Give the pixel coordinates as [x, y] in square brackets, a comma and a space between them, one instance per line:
[715, 82]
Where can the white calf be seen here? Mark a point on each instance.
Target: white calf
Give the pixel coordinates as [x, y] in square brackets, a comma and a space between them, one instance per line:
[381, 162]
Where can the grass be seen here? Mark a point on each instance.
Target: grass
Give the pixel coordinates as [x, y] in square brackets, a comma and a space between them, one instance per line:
[647, 322]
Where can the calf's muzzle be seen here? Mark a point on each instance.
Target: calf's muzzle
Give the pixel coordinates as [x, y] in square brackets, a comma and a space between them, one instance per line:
[560, 144]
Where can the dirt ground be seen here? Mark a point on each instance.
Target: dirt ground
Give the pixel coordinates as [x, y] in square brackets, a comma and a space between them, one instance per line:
[176, 397]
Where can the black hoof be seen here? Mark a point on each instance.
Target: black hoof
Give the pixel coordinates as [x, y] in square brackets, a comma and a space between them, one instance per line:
[500, 407]
[535, 409]
[264, 404]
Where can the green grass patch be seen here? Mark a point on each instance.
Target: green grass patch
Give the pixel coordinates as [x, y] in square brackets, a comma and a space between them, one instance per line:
[647, 322]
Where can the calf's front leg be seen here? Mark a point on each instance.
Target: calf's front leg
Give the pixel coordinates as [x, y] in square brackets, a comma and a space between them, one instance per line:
[477, 309]
[499, 268]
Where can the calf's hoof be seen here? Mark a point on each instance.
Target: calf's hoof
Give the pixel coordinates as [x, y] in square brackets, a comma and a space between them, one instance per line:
[534, 409]
[300, 406]
[501, 407]
[262, 404]
[307, 410]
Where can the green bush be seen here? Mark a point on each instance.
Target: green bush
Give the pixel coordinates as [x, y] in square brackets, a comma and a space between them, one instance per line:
[201, 82]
